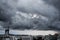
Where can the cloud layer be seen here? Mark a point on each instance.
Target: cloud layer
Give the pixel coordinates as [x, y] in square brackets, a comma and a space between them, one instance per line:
[29, 14]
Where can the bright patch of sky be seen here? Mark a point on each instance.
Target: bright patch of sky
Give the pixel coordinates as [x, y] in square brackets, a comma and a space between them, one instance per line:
[32, 15]
[32, 32]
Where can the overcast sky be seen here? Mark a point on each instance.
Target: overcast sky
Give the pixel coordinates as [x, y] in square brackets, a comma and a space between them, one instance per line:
[30, 14]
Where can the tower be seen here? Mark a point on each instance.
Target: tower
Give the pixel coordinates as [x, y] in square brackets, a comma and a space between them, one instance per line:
[7, 31]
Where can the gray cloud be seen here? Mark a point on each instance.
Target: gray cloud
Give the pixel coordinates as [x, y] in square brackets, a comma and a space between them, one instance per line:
[28, 14]
[56, 3]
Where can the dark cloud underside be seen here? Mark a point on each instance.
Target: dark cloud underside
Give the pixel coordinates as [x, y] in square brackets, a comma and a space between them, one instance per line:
[30, 14]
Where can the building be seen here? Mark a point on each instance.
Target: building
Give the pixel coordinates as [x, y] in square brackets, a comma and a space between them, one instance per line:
[8, 36]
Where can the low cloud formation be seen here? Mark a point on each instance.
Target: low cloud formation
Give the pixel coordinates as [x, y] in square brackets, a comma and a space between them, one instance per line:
[29, 14]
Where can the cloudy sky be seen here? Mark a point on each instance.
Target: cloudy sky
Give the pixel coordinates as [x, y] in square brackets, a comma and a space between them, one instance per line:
[30, 14]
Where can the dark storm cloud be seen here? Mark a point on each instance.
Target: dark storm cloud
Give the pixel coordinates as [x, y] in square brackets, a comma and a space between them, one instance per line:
[28, 14]
[6, 12]
[56, 3]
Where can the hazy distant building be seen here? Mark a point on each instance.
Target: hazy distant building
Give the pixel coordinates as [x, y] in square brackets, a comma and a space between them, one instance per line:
[8, 36]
